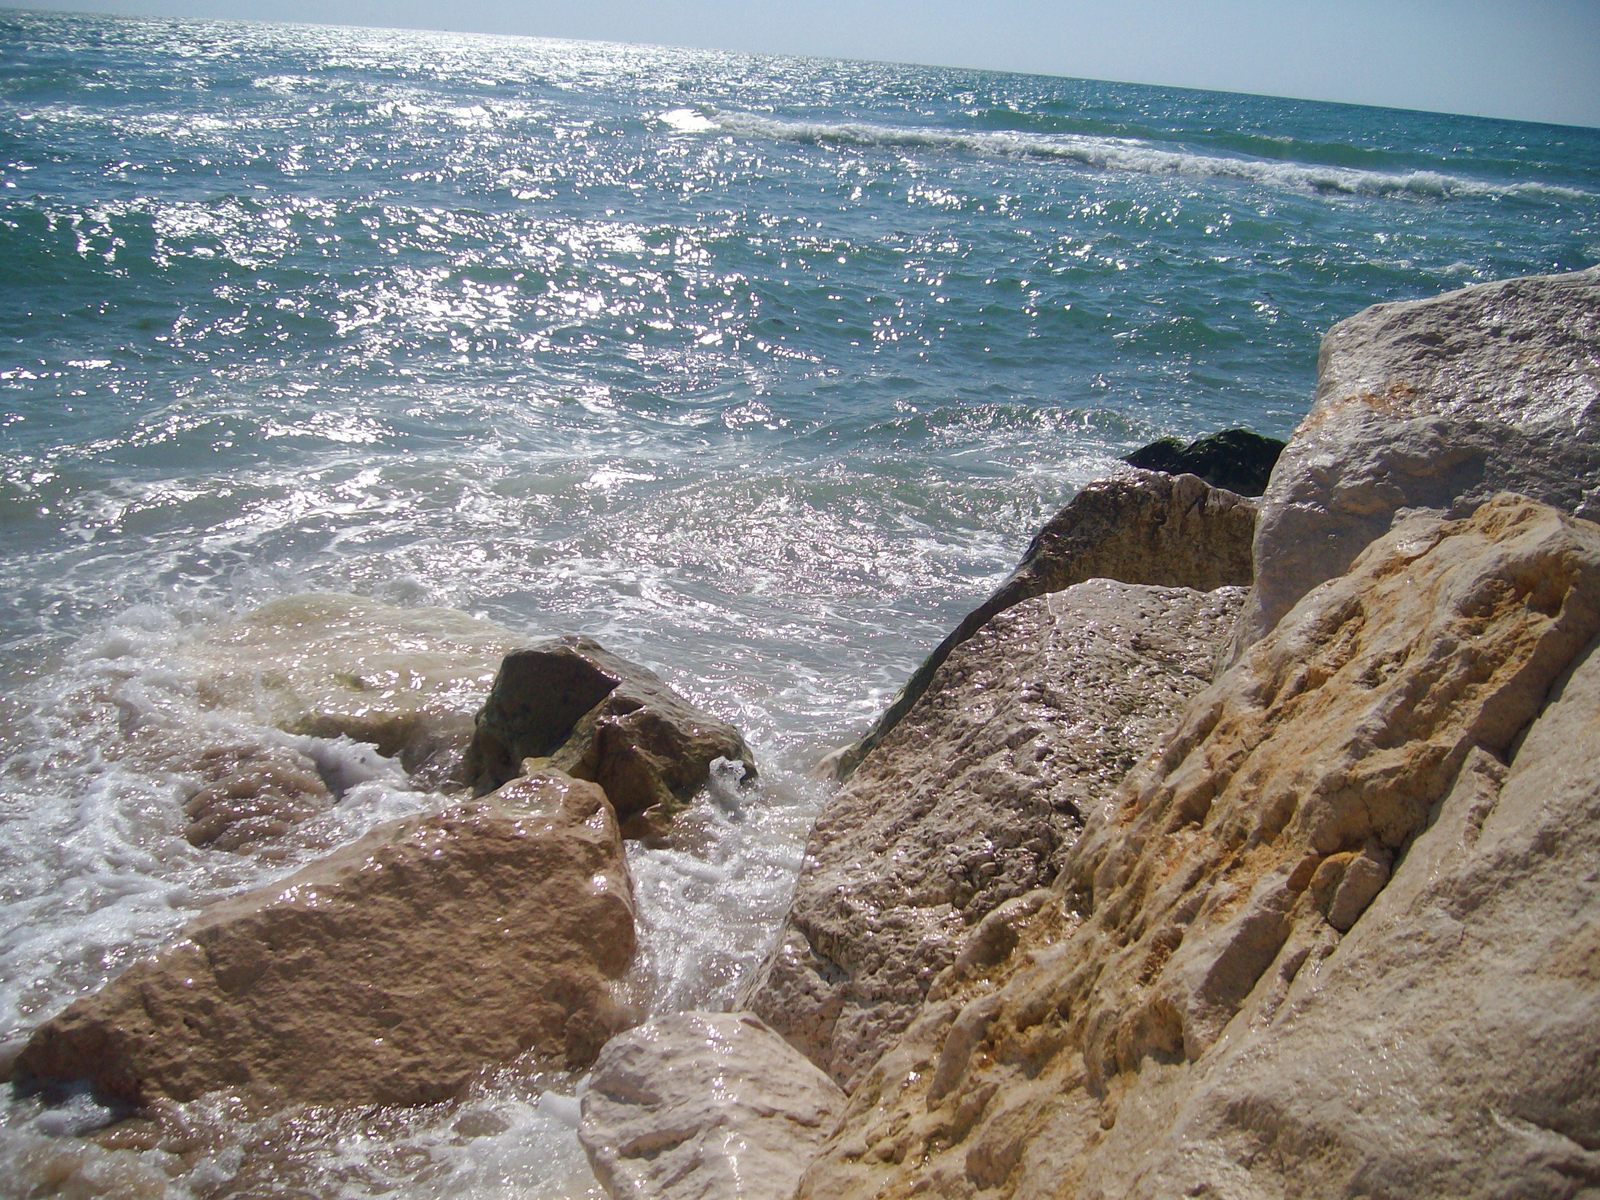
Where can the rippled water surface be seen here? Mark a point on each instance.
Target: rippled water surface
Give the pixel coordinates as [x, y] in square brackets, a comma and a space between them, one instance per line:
[759, 370]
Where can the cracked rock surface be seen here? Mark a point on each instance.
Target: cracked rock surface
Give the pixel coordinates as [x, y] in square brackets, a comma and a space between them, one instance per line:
[1434, 405]
[705, 1106]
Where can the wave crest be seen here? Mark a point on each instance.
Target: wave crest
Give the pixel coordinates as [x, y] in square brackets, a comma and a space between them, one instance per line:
[1117, 154]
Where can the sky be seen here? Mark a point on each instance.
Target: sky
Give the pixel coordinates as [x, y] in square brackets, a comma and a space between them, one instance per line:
[1536, 60]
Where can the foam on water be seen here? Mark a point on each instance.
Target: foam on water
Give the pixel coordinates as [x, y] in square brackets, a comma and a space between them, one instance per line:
[1118, 154]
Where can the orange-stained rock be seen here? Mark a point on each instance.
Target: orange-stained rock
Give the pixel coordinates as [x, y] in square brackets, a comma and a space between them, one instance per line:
[389, 972]
[972, 800]
[1332, 938]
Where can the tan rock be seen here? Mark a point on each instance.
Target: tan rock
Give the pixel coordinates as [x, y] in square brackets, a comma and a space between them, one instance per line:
[1187, 1017]
[705, 1106]
[1434, 405]
[1134, 527]
[576, 706]
[387, 973]
[250, 794]
[972, 798]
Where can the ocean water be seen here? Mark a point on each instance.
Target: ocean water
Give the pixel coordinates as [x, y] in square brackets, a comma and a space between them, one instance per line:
[759, 370]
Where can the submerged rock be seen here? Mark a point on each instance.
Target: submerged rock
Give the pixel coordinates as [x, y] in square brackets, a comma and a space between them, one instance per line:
[404, 680]
[250, 793]
[388, 973]
[1333, 938]
[1434, 405]
[705, 1106]
[971, 799]
[583, 710]
[1136, 527]
[1235, 459]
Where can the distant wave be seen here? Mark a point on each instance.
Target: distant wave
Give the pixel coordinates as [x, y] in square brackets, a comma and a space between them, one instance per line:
[1115, 154]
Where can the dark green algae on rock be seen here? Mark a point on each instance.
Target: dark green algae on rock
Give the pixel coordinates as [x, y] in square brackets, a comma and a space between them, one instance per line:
[1237, 459]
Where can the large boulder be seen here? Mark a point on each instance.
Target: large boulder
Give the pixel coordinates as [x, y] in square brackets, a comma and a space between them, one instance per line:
[387, 973]
[1236, 459]
[971, 800]
[1434, 405]
[1334, 937]
[577, 707]
[1134, 527]
[705, 1106]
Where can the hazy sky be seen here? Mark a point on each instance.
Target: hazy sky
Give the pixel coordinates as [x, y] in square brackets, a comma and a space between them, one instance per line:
[1531, 59]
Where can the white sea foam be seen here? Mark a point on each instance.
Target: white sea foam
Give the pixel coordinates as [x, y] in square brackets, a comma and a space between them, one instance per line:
[688, 120]
[1118, 154]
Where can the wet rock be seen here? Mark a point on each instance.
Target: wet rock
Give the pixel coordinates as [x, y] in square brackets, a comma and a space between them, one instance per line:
[583, 710]
[1434, 405]
[405, 680]
[1136, 527]
[1235, 459]
[388, 973]
[250, 794]
[971, 800]
[705, 1106]
[1334, 937]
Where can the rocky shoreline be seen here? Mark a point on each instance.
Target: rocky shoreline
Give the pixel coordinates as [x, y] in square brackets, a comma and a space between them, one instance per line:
[1333, 933]
[1233, 847]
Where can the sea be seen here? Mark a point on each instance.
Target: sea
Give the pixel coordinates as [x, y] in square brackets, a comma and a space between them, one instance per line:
[760, 370]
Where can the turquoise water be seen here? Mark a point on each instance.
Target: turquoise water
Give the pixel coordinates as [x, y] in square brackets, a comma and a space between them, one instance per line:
[761, 370]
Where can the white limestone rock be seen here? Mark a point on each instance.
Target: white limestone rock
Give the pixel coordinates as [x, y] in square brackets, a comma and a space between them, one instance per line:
[1434, 405]
[1335, 937]
[705, 1106]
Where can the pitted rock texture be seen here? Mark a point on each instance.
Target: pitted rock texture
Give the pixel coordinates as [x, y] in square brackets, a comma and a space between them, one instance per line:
[1434, 405]
[577, 707]
[971, 800]
[1322, 942]
[705, 1106]
[387, 973]
[1135, 527]
[406, 681]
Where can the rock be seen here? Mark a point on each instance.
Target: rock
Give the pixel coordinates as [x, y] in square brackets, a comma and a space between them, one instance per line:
[1334, 937]
[250, 794]
[1235, 459]
[387, 973]
[705, 1106]
[1434, 405]
[971, 799]
[406, 681]
[596, 716]
[1136, 527]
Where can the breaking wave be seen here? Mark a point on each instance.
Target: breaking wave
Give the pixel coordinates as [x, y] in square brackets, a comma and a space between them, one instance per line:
[1116, 154]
